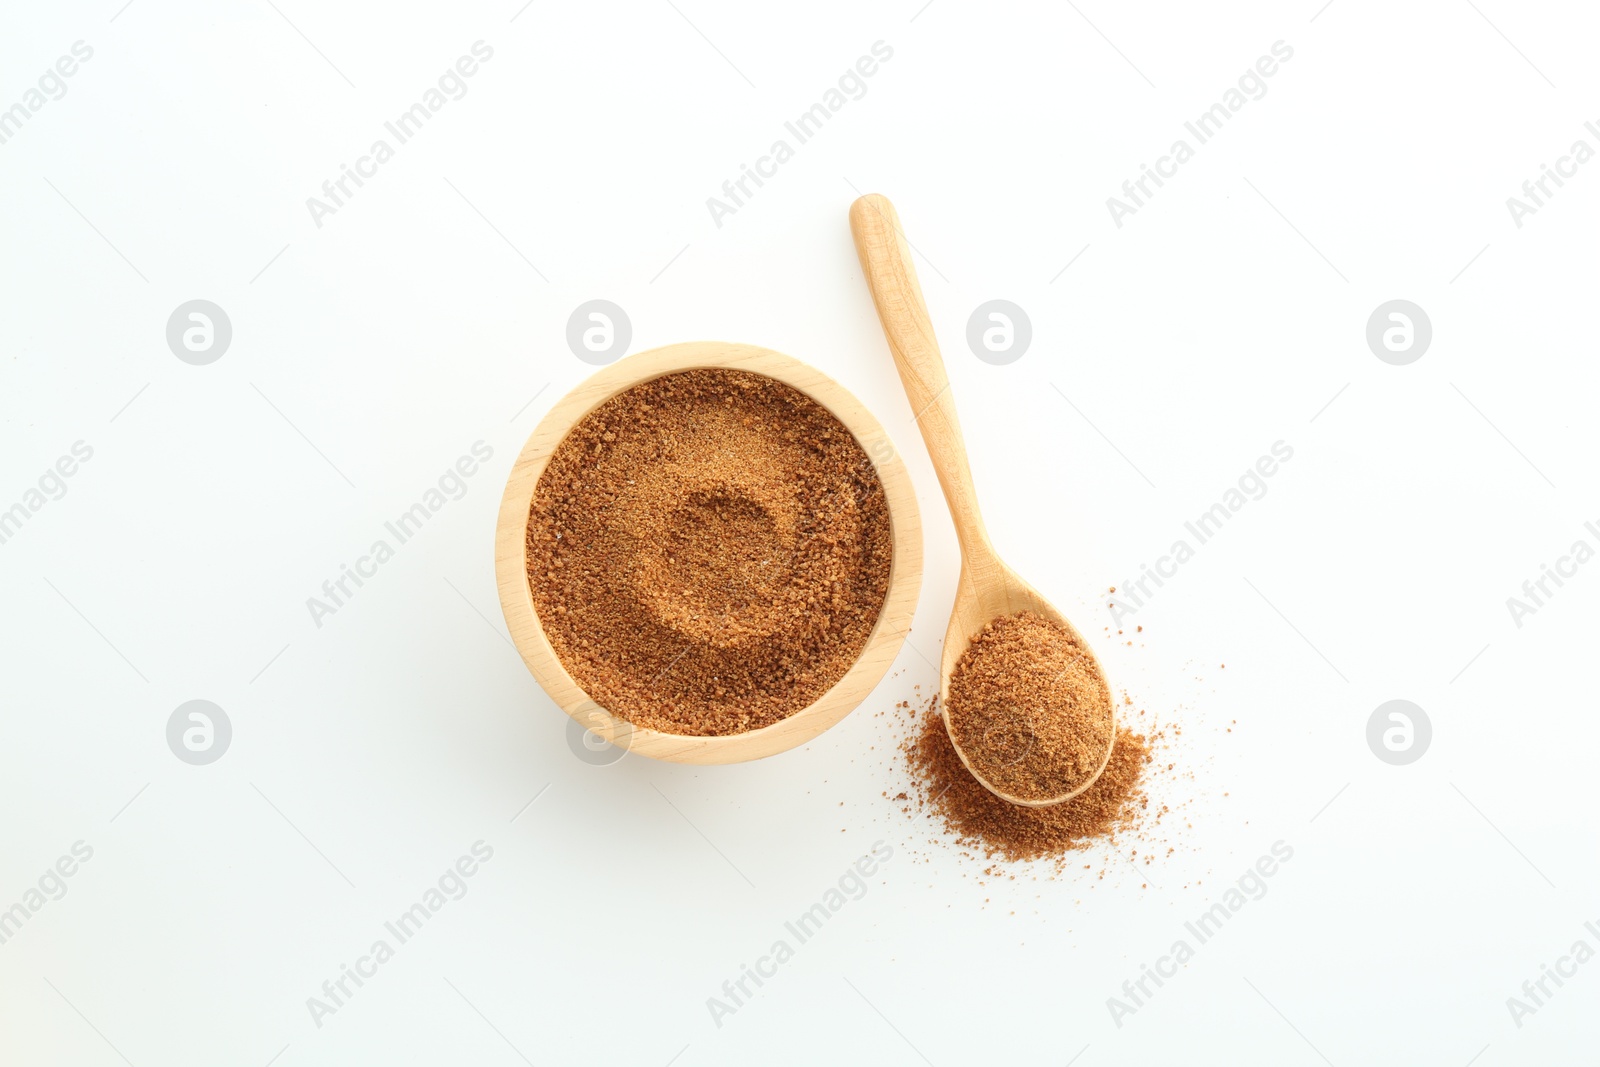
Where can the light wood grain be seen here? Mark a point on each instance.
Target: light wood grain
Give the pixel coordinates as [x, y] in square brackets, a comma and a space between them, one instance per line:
[987, 588]
[516, 598]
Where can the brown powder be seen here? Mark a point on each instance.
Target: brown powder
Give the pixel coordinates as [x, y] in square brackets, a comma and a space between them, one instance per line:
[708, 552]
[1000, 829]
[1030, 708]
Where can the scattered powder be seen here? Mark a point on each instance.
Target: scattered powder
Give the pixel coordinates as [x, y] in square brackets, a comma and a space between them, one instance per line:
[1030, 708]
[708, 552]
[1136, 819]
[1115, 802]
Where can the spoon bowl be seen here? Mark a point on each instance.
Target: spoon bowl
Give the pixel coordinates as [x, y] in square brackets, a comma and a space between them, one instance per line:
[981, 598]
[987, 588]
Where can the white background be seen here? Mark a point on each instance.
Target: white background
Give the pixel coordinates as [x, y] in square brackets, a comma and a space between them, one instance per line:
[369, 353]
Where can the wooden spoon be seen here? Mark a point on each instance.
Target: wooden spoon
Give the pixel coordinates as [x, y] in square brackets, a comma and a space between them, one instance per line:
[987, 589]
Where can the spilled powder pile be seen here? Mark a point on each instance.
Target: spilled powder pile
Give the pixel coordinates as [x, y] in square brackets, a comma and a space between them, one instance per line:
[1030, 708]
[1115, 802]
[708, 552]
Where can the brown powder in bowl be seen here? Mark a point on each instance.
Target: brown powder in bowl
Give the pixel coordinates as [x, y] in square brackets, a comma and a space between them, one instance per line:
[708, 552]
[1030, 708]
[1013, 832]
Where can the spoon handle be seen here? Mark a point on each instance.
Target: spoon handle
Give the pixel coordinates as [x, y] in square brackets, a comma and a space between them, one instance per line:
[886, 262]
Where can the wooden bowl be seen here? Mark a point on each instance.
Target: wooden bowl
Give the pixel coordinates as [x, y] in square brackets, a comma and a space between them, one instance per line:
[516, 597]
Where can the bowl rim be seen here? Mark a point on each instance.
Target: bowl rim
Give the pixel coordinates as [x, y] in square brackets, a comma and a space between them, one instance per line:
[888, 632]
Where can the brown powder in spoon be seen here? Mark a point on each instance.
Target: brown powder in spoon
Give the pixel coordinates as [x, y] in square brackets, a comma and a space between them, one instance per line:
[1030, 708]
